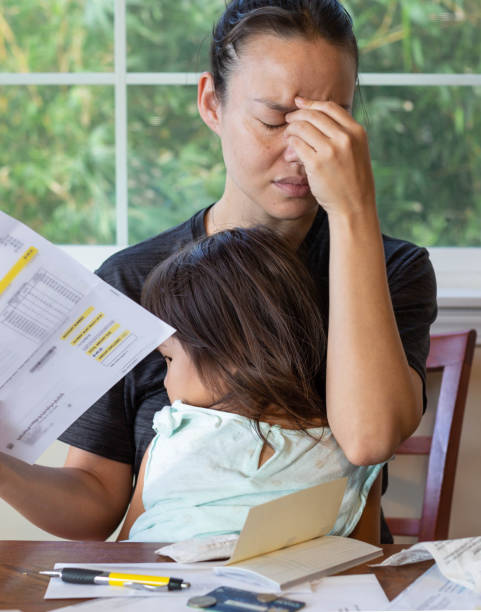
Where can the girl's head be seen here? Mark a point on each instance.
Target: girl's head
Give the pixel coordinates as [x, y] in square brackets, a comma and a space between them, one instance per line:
[264, 53]
[249, 331]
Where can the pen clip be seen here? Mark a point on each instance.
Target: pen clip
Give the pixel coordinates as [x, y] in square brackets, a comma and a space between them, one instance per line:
[139, 586]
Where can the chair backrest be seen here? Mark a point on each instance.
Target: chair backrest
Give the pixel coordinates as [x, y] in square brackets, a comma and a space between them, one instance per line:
[452, 354]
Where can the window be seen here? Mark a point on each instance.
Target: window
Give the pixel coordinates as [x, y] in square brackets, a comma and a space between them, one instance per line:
[102, 145]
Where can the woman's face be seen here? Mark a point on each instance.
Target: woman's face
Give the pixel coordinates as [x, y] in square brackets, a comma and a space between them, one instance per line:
[264, 176]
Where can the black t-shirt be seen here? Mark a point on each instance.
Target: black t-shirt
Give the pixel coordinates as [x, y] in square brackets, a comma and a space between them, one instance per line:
[119, 425]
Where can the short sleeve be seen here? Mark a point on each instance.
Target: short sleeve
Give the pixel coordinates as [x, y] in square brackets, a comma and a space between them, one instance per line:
[412, 285]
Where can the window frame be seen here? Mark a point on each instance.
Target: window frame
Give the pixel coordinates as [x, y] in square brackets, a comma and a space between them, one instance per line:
[458, 269]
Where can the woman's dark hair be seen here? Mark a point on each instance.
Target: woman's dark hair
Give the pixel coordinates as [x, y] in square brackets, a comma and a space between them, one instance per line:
[242, 19]
[245, 310]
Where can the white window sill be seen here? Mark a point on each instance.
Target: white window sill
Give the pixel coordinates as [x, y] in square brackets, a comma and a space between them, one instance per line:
[459, 298]
[90, 256]
[458, 309]
[458, 274]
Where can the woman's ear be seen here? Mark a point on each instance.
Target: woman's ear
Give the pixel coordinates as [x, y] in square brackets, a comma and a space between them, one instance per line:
[208, 103]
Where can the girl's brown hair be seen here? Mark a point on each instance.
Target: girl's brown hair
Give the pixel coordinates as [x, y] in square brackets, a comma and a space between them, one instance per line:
[245, 310]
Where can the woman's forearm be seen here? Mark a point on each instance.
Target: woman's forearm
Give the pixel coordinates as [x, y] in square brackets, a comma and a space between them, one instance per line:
[67, 502]
[373, 399]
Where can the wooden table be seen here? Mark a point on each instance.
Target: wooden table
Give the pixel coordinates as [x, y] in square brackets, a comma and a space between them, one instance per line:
[21, 588]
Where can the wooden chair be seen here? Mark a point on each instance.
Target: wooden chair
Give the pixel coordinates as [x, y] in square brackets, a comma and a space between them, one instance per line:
[452, 354]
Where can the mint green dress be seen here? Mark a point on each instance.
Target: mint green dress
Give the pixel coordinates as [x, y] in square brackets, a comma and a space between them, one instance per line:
[203, 473]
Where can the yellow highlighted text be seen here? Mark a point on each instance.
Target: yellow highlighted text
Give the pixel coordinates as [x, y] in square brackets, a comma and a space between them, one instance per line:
[111, 347]
[17, 268]
[87, 328]
[77, 322]
[103, 338]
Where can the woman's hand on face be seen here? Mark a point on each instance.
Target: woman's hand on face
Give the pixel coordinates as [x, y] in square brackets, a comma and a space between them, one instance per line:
[334, 150]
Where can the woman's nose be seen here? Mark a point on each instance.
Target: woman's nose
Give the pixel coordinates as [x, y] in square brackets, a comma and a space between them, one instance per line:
[290, 154]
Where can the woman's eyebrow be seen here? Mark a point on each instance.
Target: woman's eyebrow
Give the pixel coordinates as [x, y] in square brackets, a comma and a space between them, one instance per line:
[276, 106]
[288, 109]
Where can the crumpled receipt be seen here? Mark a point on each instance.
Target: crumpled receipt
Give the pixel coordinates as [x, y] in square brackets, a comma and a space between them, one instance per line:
[201, 549]
[459, 560]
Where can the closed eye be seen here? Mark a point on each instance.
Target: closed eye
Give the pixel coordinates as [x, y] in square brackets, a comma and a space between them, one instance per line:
[270, 126]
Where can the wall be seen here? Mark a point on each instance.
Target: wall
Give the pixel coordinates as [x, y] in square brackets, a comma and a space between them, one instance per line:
[404, 497]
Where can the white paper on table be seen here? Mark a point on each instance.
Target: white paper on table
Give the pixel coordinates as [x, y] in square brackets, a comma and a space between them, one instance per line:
[432, 591]
[458, 560]
[121, 604]
[356, 592]
[343, 593]
[66, 337]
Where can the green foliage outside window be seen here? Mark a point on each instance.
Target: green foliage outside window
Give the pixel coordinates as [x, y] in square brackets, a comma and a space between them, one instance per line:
[57, 170]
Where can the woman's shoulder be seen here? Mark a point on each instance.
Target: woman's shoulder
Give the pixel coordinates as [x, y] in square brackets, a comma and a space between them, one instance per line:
[127, 269]
[408, 265]
[399, 250]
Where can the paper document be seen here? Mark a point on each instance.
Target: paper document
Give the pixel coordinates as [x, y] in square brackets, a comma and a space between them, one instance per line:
[66, 337]
[288, 520]
[432, 591]
[458, 560]
[201, 549]
[285, 568]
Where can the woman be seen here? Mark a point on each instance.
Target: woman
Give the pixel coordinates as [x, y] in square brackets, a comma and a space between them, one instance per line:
[279, 97]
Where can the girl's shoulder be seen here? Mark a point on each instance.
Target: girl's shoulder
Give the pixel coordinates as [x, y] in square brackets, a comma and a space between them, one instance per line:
[172, 419]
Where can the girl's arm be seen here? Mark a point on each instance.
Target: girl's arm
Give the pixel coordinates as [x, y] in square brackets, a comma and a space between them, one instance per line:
[374, 398]
[85, 502]
[136, 507]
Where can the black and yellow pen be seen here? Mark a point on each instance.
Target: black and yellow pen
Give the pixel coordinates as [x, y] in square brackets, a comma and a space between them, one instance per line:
[80, 575]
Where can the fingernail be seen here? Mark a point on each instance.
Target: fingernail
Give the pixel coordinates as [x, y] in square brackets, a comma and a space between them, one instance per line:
[299, 101]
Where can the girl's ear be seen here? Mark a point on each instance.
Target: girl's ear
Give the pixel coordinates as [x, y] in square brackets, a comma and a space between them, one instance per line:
[207, 102]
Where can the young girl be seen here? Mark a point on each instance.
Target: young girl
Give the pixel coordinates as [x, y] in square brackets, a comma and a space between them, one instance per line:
[247, 423]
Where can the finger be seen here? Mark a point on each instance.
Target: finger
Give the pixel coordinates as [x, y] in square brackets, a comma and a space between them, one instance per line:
[309, 133]
[320, 120]
[330, 108]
